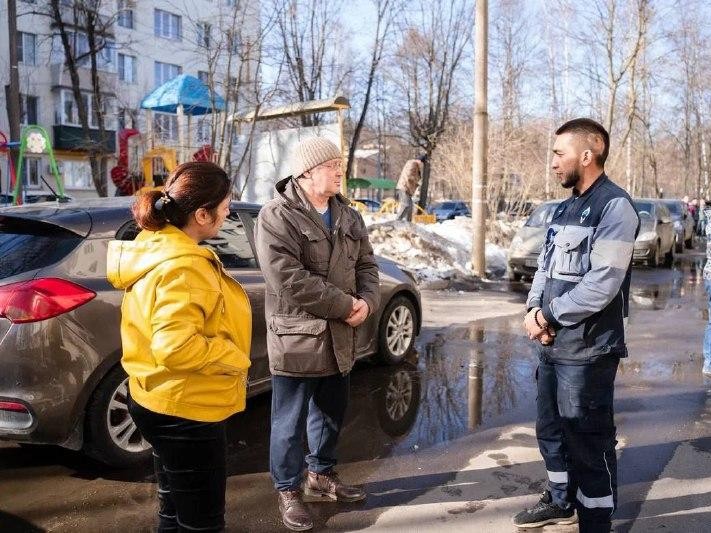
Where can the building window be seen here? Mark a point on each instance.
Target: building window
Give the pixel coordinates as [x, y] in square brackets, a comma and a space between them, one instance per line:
[234, 41]
[165, 72]
[32, 172]
[27, 48]
[106, 59]
[165, 126]
[28, 109]
[204, 76]
[127, 68]
[204, 131]
[69, 112]
[125, 15]
[231, 3]
[204, 31]
[167, 25]
[76, 174]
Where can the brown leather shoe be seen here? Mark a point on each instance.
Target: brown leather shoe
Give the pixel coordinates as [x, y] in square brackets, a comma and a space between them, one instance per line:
[293, 513]
[319, 487]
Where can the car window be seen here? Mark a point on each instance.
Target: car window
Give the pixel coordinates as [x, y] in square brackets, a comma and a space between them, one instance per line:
[674, 208]
[232, 245]
[644, 208]
[26, 245]
[542, 216]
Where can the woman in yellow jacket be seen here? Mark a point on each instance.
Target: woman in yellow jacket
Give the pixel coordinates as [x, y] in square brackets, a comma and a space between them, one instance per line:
[185, 330]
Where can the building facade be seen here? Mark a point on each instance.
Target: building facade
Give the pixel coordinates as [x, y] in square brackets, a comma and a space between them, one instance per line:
[143, 43]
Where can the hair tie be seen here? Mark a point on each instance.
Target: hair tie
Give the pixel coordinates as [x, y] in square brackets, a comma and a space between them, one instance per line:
[162, 201]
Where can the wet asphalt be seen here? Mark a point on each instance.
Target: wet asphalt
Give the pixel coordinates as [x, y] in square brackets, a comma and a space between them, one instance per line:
[444, 441]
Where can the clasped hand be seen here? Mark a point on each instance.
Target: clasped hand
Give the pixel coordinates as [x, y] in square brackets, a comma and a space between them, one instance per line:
[359, 313]
[538, 330]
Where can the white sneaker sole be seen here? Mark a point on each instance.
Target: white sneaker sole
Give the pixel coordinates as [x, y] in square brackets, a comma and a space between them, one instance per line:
[561, 521]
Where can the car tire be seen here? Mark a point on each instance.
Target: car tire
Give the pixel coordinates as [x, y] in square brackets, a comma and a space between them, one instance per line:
[653, 261]
[679, 245]
[111, 436]
[396, 333]
[669, 257]
[397, 401]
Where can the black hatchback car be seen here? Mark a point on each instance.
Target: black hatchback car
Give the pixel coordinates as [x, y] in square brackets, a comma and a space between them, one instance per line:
[60, 377]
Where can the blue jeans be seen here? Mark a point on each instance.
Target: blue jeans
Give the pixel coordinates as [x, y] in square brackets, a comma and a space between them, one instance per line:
[707, 334]
[576, 436]
[315, 406]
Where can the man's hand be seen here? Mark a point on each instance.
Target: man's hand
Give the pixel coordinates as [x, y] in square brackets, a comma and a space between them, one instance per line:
[358, 314]
[538, 330]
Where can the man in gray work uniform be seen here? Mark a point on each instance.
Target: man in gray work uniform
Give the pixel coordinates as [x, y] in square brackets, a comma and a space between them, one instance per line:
[576, 308]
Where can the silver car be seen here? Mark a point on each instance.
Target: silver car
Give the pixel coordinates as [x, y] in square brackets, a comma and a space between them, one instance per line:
[528, 242]
[684, 234]
[656, 233]
[60, 378]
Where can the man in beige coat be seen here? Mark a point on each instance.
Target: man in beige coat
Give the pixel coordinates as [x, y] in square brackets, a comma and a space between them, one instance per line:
[407, 184]
[321, 283]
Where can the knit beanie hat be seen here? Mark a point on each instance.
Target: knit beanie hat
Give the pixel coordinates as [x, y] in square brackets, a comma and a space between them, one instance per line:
[311, 152]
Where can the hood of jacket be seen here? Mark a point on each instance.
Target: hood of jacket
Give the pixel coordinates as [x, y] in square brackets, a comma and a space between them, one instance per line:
[129, 261]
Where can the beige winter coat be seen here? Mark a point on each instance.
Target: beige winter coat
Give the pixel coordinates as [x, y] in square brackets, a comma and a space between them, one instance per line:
[311, 275]
[410, 176]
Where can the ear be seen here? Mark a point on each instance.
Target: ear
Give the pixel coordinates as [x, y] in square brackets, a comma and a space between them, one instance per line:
[202, 216]
[587, 158]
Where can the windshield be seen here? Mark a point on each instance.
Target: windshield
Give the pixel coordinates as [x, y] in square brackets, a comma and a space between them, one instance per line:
[674, 209]
[644, 208]
[646, 218]
[542, 216]
[445, 205]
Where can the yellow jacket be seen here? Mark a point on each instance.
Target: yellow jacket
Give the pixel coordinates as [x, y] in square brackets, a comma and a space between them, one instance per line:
[186, 326]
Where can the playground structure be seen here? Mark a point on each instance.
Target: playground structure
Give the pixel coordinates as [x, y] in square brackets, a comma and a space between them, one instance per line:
[33, 140]
[140, 160]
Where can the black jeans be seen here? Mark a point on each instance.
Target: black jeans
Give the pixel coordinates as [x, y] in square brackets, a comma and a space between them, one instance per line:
[190, 465]
[315, 406]
[577, 436]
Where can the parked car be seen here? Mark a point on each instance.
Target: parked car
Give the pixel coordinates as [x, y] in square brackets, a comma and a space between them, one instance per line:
[656, 233]
[448, 210]
[60, 347]
[528, 241]
[684, 234]
[373, 206]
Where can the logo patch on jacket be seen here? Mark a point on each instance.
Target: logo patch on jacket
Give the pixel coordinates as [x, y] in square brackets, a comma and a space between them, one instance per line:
[584, 214]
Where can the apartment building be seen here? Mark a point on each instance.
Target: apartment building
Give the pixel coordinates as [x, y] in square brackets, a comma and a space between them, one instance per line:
[147, 42]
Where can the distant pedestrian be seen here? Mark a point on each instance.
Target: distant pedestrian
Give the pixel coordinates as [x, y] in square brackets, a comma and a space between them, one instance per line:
[186, 329]
[410, 177]
[321, 284]
[707, 285]
[576, 308]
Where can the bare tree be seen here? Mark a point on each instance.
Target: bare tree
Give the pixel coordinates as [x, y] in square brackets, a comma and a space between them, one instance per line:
[433, 42]
[86, 17]
[386, 11]
[313, 67]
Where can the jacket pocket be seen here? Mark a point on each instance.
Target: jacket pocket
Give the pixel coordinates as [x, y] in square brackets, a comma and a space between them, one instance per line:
[317, 248]
[571, 257]
[352, 238]
[299, 344]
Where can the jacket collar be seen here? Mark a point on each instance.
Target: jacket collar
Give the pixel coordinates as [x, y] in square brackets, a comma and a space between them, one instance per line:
[289, 191]
[595, 184]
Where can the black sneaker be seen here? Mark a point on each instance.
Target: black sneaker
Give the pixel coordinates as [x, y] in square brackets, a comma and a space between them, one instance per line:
[545, 512]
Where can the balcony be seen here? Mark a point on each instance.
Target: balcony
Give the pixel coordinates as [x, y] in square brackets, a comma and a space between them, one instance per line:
[72, 138]
[60, 78]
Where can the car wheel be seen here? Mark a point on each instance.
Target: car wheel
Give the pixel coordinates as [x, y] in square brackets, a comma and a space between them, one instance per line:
[690, 242]
[678, 245]
[398, 400]
[396, 333]
[669, 257]
[653, 260]
[111, 434]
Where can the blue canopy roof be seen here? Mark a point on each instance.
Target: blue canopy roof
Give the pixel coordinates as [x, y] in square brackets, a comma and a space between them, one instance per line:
[187, 90]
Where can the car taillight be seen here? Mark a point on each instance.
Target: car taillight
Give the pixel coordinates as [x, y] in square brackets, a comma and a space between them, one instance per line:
[39, 299]
[15, 407]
